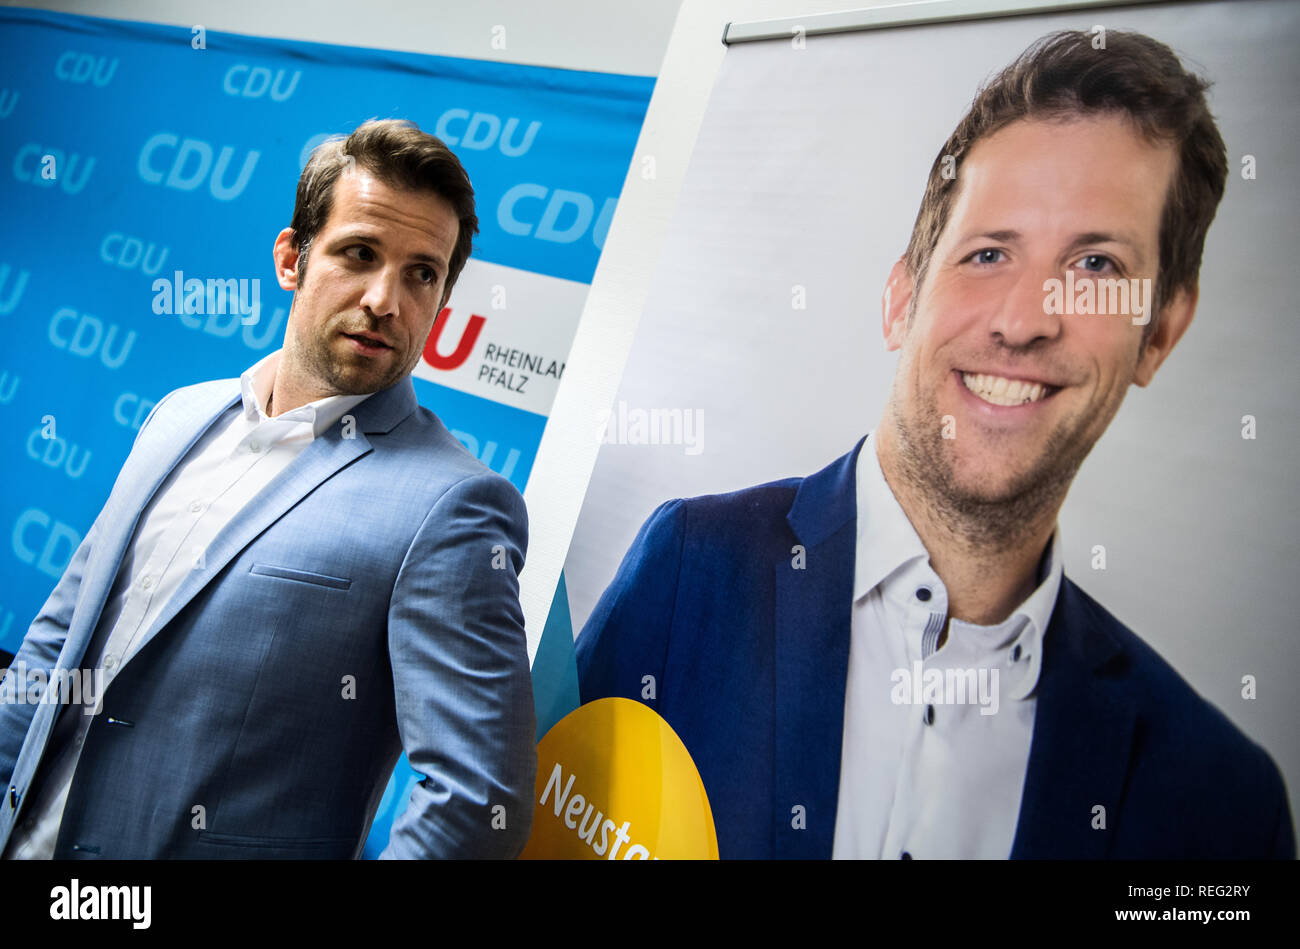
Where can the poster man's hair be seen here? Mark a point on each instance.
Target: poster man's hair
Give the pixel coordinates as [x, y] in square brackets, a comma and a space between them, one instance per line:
[1067, 73]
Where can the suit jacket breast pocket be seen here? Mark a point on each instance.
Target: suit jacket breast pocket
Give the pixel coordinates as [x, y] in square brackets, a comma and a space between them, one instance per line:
[300, 576]
[245, 847]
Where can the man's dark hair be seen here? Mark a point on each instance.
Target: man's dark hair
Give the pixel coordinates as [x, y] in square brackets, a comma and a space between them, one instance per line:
[399, 154]
[1075, 72]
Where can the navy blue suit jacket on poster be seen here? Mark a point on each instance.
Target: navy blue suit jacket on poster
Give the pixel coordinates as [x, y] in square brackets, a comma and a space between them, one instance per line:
[750, 658]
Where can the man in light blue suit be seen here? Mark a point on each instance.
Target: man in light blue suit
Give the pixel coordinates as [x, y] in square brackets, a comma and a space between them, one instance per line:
[884, 659]
[297, 575]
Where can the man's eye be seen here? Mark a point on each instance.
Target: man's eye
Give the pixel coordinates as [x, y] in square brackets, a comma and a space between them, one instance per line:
[1096, 263]
[426, 275]
[987, 255]
[360, 252]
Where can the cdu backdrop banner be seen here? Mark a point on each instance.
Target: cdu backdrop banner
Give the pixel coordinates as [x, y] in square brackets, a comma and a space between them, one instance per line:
[136, 159]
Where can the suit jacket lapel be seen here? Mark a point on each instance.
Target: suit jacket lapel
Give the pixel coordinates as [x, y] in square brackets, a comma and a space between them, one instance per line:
[812, 629]
[171, 434]
[327, 454]
[1083, 733]
[1083, 724]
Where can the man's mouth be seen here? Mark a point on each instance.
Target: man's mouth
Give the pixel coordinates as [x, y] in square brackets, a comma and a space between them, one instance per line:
[373, 342]
[1000, 390]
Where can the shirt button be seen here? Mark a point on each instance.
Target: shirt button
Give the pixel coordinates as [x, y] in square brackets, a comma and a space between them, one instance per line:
[928, 717]
[147, 583]
[196, 506]
[254, 446]
[1015, 653]
[923, 594]
[110, 662]
[904, 856]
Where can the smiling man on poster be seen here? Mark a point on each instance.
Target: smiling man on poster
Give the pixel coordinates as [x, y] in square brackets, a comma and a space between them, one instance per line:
[884, 659]
[299, 574]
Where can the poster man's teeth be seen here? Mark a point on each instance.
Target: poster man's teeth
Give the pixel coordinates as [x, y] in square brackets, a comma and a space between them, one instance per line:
[998, 390]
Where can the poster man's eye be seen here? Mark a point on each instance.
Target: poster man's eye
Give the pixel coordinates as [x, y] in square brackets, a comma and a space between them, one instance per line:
[986, 255]
[1096, 263]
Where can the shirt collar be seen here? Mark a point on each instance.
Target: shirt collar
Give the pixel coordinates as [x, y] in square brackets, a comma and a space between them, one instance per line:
[887, 543]
[886, 539]
[256, 383]
[1040, 604]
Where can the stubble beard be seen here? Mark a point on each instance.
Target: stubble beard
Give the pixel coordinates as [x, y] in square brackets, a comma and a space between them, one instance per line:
[984, 518]
[320, 361]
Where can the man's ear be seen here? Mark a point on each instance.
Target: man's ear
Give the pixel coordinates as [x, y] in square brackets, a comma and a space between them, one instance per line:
[286, 260]
[1172, 324]
[894, 304]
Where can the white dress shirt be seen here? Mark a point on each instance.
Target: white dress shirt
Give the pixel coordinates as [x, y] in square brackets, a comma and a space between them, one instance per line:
[928, 772]
[237, 457]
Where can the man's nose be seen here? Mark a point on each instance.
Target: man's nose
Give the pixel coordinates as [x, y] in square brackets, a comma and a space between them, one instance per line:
[1023, 318]
[383, 288]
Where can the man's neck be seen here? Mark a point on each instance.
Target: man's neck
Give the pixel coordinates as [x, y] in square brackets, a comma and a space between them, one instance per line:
[986, 579]
[286, 393]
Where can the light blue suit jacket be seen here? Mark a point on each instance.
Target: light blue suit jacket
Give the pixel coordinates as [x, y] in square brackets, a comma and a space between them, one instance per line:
[391, 557]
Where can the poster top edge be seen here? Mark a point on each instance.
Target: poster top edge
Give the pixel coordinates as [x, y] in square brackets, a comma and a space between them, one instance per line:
[913, 13]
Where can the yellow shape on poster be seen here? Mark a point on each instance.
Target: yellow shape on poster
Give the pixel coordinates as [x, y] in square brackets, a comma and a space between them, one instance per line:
[614, 782]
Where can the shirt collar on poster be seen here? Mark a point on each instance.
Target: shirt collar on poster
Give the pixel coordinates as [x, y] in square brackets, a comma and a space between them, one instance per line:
[889, 553]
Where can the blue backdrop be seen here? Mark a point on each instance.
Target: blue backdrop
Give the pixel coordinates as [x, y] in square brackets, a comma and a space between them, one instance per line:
[135, 150]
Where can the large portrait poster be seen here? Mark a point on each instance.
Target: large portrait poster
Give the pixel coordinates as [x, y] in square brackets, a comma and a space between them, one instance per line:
[760, 356]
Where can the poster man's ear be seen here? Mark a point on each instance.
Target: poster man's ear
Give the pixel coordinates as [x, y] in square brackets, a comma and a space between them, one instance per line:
[1175, 317]
[894, 304]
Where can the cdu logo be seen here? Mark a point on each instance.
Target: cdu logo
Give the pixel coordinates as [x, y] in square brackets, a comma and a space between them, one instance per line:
[44, 167]
[191, 162]
[122, 250]
[254, 82]
[10, 294]
[565, 215]
[56, 452]
[482, 130]
[131, 409]
[89, 337]
[457, 357]
[83, 67]
[487, 453]
[8, 386]
[45, 543]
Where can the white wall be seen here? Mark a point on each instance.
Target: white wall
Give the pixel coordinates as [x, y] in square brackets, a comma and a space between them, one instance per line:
[617, 37]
